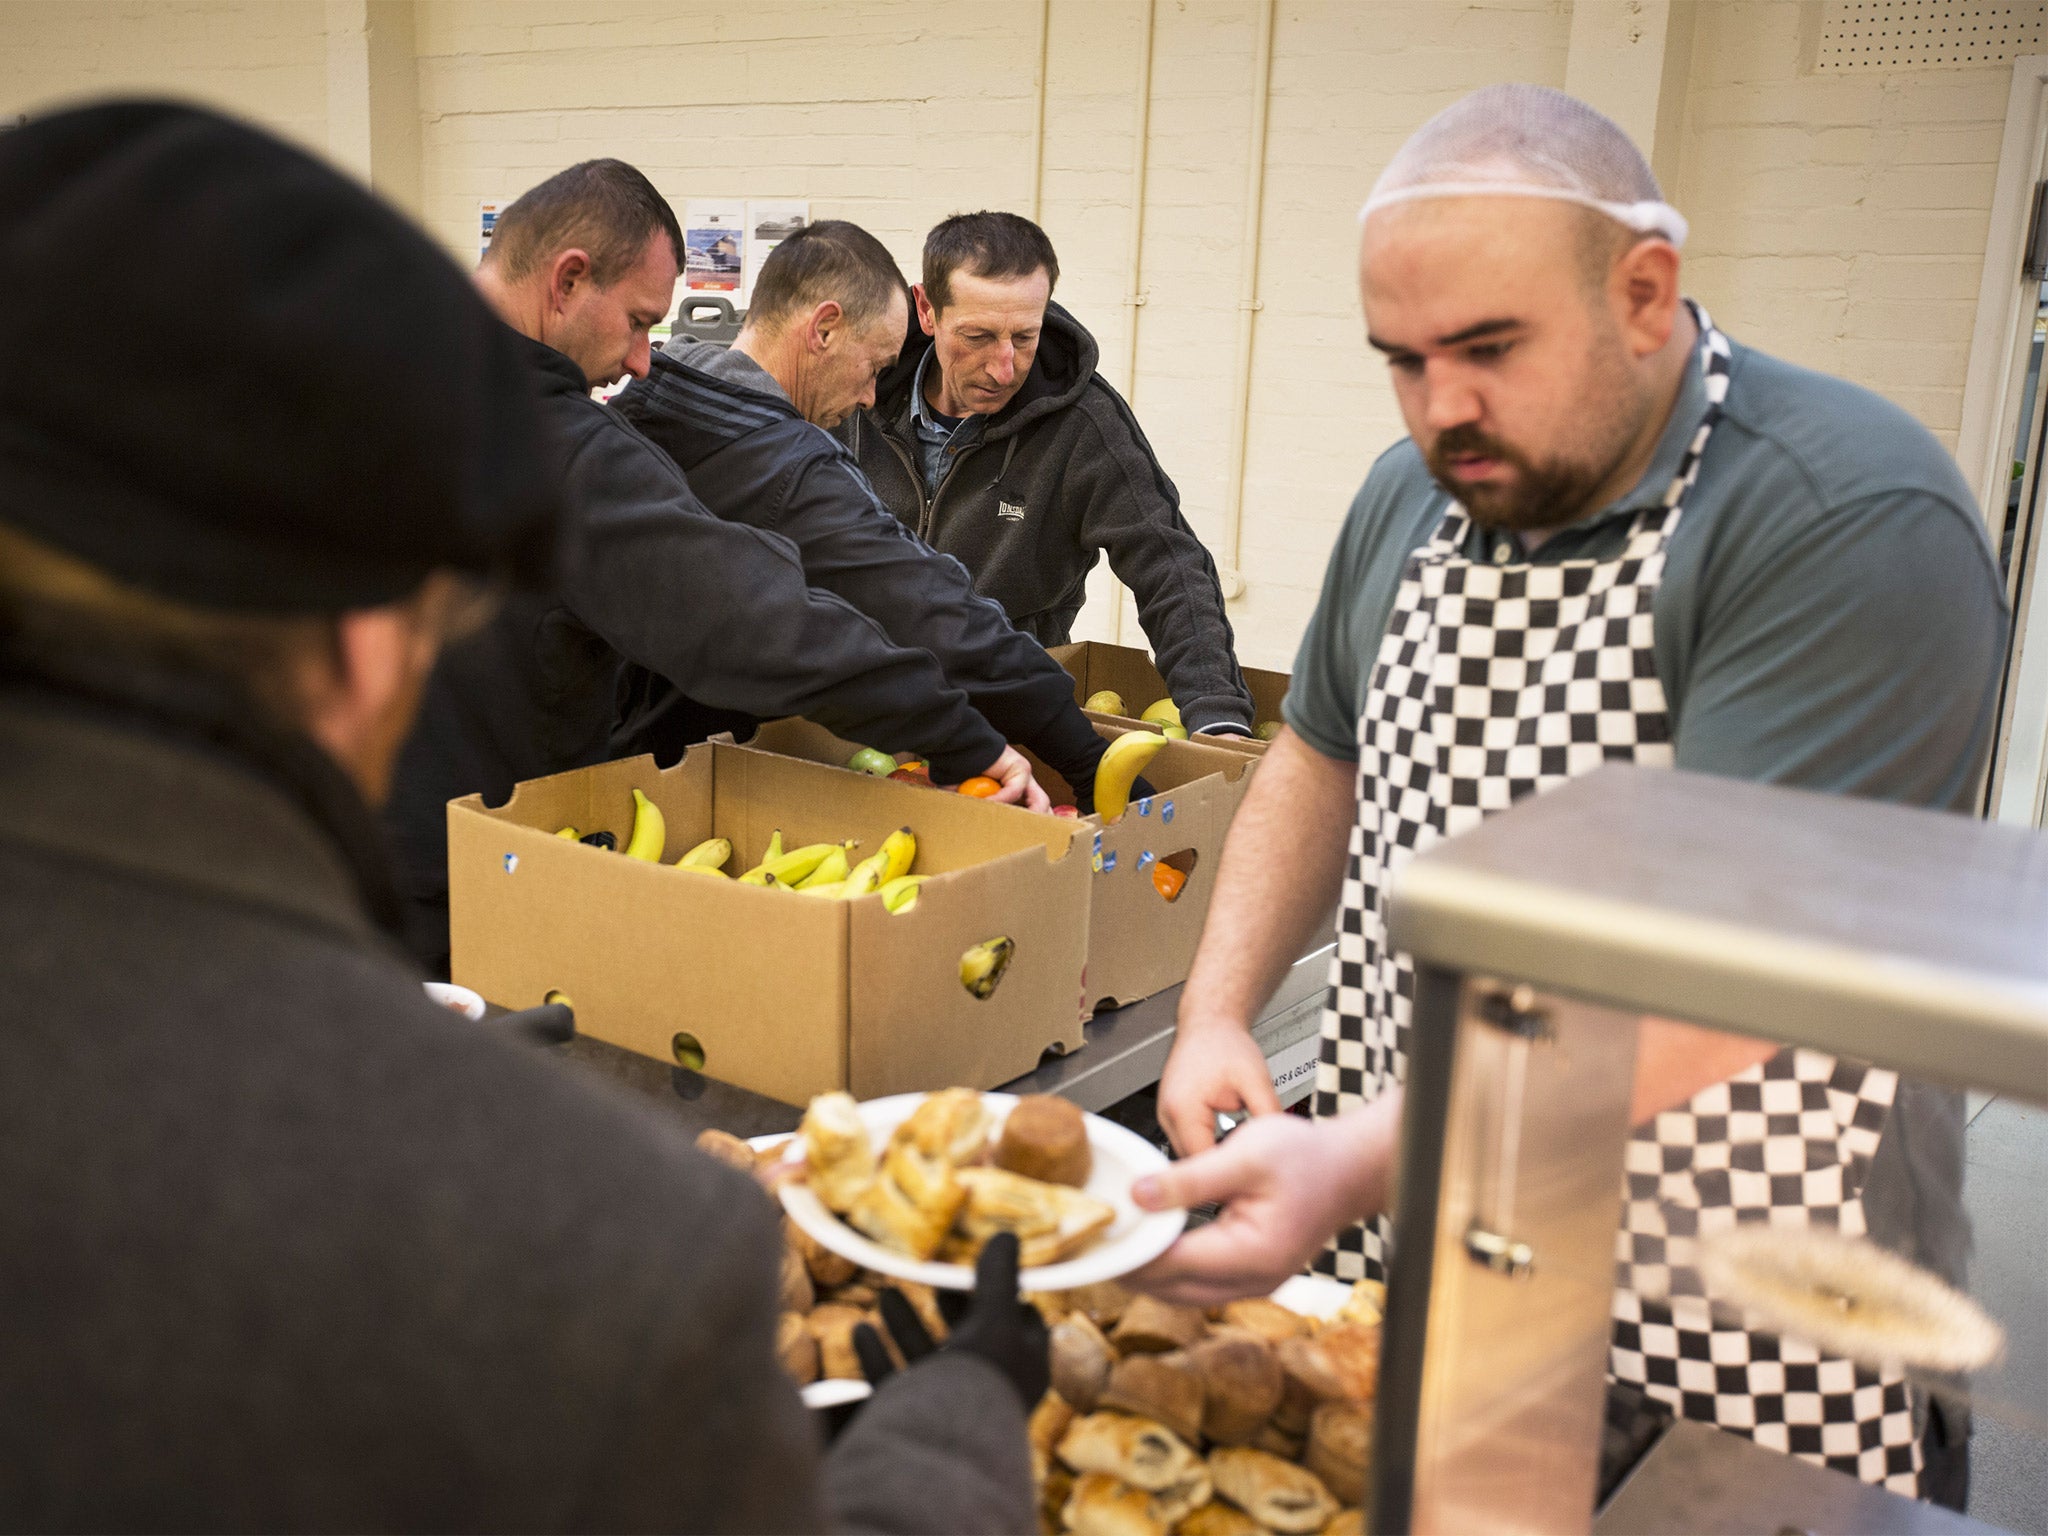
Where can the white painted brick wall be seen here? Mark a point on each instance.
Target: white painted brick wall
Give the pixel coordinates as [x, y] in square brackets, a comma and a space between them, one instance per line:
[1839, 220]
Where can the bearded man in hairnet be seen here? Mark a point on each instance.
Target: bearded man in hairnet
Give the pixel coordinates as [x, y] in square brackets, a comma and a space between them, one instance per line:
[1613, 534]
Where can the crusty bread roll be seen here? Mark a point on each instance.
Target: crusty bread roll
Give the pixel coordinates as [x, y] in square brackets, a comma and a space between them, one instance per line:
[1218, 1519]
[727, 1148]
[1339, 1443]
[1164, 1388]
[838, 1156]
[884, 1212]
[1174, 1504]
[1278, 1494]
[1104, 1302]
[1081, 1361]
[1241, 1384]
[1265, 1317]
[1099, 1505]
[797, 1348]
[827, 1268]
[1136, 1451]
[1152, 1327]
[951, 1125]
[798, 1295]
[832, 1326]
[1341, 1361]
[1278, 1442]
[1052, 1222]
[1046, 1138]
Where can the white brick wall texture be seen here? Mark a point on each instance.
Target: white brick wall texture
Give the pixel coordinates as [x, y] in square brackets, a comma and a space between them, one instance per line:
[1839, 220]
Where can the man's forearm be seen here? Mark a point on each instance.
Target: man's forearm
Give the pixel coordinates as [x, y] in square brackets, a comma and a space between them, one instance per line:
[1674, 1061]
[1282, 869]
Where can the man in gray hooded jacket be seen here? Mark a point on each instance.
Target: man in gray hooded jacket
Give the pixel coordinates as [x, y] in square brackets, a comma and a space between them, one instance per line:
[995, 439]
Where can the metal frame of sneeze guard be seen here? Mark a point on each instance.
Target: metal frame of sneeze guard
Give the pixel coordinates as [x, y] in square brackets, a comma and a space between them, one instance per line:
[1908, 938]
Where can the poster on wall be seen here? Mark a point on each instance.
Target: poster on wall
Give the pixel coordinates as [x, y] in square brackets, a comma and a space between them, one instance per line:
[487, 221]
[770, 221]
[714, 244]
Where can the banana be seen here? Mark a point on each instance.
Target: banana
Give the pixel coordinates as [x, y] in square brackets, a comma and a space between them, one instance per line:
[569, 834]
[1174, 732]
[797, 865]
[830, 870]
[709, 854]
[900, 894]
[831, 890]
[704, 869]
[983, 966]
[866, 876]
[1122, 763]
[650, 830]
[759, 874]
[901, 847]
[1107, 702]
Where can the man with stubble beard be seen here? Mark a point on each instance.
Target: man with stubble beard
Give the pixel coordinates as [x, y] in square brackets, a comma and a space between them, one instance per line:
[1613, 534]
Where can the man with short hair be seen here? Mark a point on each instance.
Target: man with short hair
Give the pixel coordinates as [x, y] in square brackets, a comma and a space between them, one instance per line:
[1613, 534]
[581, 266]
[745, 425]
[997, 442]
[287, 1246]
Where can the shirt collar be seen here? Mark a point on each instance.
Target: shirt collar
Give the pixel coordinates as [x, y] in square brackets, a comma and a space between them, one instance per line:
[923, 411]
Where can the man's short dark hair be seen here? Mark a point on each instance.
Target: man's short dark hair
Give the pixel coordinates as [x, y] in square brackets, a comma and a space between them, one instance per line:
[605, 207]
[985, 244]
[833, 260]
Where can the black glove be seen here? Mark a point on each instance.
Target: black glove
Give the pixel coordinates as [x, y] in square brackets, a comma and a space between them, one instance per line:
[992, 1322]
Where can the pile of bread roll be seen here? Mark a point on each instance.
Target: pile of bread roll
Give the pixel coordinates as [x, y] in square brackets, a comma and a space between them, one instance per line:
[1172, 1421]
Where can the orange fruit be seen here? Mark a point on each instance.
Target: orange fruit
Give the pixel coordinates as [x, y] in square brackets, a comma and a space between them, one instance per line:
[1167, 880]
[981, 787]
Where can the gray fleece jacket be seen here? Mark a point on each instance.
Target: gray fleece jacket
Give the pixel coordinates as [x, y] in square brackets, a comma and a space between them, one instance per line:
[1039, 491]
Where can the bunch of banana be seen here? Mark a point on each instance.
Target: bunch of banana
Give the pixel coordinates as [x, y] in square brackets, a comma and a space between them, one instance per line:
[1120, 766]
[707, 858]
[650, 830]
[983, 966]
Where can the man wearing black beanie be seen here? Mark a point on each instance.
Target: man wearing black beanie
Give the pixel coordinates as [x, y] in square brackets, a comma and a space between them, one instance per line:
[284, 1245]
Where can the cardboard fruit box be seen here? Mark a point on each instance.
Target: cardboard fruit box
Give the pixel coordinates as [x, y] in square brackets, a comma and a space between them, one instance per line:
[1096, 665]
[783, 994]
[1139, 941]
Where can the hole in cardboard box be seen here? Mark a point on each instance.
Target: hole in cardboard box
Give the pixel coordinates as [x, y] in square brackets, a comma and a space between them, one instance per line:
[689, 1051]
[1171, 874]
[982, 967]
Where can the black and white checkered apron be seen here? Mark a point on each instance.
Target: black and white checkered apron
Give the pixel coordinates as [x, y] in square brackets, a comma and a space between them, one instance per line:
[1498, 681]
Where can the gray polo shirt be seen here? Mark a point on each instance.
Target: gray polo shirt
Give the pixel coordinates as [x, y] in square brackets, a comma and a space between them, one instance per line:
[1831, 617]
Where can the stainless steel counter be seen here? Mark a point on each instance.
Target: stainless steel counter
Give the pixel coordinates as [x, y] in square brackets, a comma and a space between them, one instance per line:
[1126, 1050]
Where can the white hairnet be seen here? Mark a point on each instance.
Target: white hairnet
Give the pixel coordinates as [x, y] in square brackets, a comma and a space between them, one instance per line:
[1528, 141]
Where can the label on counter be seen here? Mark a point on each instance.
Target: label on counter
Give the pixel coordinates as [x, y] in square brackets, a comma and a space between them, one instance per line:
[1294, 1068]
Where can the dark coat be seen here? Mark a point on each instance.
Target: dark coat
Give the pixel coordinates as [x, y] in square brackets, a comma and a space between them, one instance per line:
[286, 1246]
[1038, 490]
[751, 458]
[651, 578]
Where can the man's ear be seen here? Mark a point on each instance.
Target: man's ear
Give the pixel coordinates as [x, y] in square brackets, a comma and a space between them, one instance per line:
[927, 316]
[565, 272]
[825, 320]
[1645, 292]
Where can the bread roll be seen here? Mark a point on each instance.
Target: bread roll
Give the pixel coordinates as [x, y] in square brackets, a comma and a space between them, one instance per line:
[1164, 1388]
[1366, 1304]
[887, 1214]
[1278, 1494]
[1099, 1505]
[1048, 1421]
[1339, 1444]
[1135, 1451]
[832, 1326]
[1104, 1302]
[1278, 1442]
[1152, 1327]
[1046, 1138]
[951, 1125]
[827, 1268]
[1241, 1385]
[1172, 1505]
[727, 1148]
[1218, 1519]
[1266, 1318]
[796, 1348]
[1340, 1362]
[797, 1292]
[838, 1156]
[1081, 1361]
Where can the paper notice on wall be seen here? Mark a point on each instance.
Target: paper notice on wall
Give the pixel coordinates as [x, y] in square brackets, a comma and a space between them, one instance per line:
[714, 241]
[487, 223]
[769, 223]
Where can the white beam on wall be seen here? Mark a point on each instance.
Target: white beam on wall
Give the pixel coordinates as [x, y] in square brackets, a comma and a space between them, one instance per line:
[373, 107]
[1630, 59]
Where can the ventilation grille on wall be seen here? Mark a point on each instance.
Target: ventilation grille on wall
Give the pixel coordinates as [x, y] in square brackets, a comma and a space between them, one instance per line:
[1927, 34]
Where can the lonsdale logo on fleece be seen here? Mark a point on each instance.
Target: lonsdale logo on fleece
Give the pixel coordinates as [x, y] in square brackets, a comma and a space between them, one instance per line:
[1010, 511]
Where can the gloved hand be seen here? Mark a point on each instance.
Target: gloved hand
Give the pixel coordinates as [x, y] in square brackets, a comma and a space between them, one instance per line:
[991, 1321]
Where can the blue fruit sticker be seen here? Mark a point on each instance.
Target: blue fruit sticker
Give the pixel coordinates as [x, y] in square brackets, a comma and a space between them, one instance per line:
[1145, 861]
[511, 862]
[1108, 862]
[1145, 806]
[1166, 811]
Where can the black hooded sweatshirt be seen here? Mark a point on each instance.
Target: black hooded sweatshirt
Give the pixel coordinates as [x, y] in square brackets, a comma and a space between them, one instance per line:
[752, 458]
[1035, 492]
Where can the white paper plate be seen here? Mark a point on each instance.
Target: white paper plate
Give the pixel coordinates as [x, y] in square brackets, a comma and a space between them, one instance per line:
[1135, 1238]
[456, 999]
